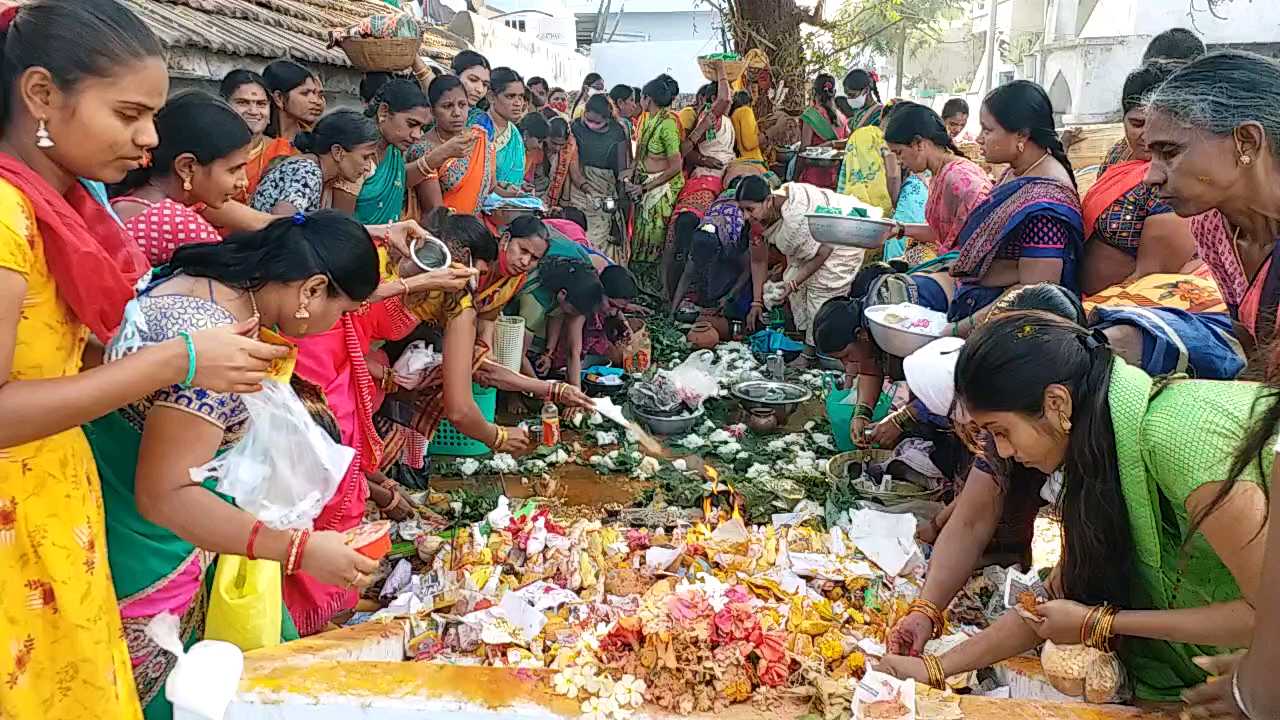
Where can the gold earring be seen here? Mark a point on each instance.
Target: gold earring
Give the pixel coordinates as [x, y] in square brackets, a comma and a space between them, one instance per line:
[1021, 147]
[186, 184]
[1065, 423]
[43, 141]
[1245, 160]
[303, 313]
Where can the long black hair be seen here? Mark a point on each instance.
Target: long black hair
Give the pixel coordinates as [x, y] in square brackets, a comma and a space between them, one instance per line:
[399, 95]
[1140, 83]
[662, 90]
[577, 278]
[371, 83]
[290, 249]
[441, 85]
[752, 188]
[501, 77]
[911, 121]
[344, 128]
[468, 59]
[283, 76]
[192, 122]
[1044, 297]
[237, 79]
[856, 82]
[824, 93]
[1023, 106]
[1006, 366]
[73, 41]
[461, 231]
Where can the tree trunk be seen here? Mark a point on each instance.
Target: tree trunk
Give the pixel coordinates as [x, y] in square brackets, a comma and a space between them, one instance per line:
[774, 27]
[902, 60]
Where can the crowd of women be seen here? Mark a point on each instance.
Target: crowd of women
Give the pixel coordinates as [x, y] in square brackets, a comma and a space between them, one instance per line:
[159, 252]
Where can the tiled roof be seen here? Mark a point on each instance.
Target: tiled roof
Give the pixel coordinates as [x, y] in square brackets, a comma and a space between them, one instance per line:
[268, 28]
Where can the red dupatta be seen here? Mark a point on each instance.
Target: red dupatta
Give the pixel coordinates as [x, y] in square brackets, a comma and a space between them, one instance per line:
[1114, 183]
[94, 262]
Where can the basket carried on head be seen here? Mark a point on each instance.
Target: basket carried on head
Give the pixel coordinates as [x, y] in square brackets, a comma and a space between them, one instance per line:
[391, 54]
[733, 69]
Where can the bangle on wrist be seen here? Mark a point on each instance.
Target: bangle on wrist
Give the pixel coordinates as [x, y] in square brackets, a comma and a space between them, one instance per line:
[933, 668]
[1239, 696]
[253, 538]
[931, 611]
[191, 358]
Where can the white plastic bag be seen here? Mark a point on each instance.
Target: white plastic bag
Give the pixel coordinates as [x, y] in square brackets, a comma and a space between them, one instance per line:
[415, 362]
[206, 678]
[285, 468]
[695, 378]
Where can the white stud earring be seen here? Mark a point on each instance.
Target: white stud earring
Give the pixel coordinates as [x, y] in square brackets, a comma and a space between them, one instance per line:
[43, 141]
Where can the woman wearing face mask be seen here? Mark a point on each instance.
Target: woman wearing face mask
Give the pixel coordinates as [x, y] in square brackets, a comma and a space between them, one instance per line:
[299, 275]
[246, 92]
[1213, 131]
[592, 85]
[506, 105]
[557, 104]
[200, 161]
[472, 69]
[297, 99]
[604, 156]
[397, 189]
[341, 149]
[862, 105]
[67, 270]
[1131, 232]
[458, 153]
[1143, 466]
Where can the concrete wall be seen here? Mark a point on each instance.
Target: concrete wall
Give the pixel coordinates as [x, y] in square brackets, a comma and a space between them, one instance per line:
[522, 51]
[190, 68]
[703, 26]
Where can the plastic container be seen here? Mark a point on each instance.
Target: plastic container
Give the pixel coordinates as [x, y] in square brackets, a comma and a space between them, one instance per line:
[448, 441]
[372, 540]
[509, 342]
[840, 413]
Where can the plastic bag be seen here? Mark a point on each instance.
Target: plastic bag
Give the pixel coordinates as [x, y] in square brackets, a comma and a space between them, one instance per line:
[415, 362]
[695, 378]
[285, 468]
[1082, 672]
[772, 294]
[245, 604]
[206, 678]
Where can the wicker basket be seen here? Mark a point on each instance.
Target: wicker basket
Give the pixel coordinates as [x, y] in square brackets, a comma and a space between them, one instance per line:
[382, 54]
[733, 69]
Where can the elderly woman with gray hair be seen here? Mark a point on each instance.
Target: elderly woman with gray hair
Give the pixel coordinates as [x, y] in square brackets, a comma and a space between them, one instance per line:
[1213, 131]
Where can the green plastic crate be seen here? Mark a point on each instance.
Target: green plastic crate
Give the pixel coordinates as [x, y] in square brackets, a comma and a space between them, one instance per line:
[448, 441]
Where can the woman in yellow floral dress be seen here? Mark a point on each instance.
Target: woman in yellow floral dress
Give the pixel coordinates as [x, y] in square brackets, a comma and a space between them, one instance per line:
[90, 71]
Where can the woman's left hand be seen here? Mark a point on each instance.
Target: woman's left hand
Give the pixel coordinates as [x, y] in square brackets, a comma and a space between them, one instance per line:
[1214, 700]
[1058, 620]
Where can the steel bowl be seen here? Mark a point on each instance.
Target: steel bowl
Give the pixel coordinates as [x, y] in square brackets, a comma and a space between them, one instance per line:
[781, 397]
[893, 340]
[430, 253]
[668, 425]
[848, 231]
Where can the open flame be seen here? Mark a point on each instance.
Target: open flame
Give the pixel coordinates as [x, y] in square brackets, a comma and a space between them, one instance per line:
[708, 501]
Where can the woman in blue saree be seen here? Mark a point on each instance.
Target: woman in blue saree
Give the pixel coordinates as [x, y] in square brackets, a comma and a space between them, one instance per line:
[1030, 228]
[506, 106]
[402, 111]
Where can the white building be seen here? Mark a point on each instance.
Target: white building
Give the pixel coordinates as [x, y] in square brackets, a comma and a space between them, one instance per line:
[645, 38]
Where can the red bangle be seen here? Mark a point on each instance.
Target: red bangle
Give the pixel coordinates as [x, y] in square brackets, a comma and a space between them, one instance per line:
[253, 537]
[302, 549]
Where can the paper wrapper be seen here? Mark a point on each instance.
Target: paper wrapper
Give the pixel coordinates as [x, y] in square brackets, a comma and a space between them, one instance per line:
[281, 369]
[883, 697]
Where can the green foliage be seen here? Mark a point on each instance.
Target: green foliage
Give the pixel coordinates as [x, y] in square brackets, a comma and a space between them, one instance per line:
[867, 28]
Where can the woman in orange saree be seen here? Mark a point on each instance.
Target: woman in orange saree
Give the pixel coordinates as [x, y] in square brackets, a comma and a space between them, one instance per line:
[466, 172]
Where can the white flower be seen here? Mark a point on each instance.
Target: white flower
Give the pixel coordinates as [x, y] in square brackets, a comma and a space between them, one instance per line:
[680, 465]
[795, 439]
[597, 460]
[469, 467]
[776, 446]
[693, 441]
[738, 429]
[568, 682]
[600, 684]
[707, 426]
[729, 450]
[824, 440]
[810, 425]
[535, 467]
[647, 468]
[743, 455]
[629, 691]
[635, 455]
[600, 709]
[604, 438]
[504, 463]
[759, 472]
[596, 419]
[559, 457]
[720, 437]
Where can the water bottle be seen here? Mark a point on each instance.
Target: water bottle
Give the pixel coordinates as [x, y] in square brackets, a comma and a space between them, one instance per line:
[550, 424]
[777, 366]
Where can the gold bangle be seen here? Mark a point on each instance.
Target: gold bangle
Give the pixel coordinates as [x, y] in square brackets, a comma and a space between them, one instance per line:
[931, 611]
[405, 285]
[500, 437]
[933, 668]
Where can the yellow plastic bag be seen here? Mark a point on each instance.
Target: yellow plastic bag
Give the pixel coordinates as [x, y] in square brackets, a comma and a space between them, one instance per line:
[245, 604]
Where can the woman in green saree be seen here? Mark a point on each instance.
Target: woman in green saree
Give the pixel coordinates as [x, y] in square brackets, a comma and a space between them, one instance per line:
[1154, 541]
[657, 180]
[820, 126]
[299, 275]
[402, 112]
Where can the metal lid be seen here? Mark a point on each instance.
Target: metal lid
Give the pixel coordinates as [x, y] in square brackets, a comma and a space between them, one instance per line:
[771, 392]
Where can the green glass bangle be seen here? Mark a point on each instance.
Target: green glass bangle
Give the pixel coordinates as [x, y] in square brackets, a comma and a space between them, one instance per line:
[191, 358]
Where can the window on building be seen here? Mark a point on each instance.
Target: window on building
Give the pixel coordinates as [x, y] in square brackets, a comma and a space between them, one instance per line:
[515, 24]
